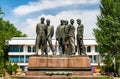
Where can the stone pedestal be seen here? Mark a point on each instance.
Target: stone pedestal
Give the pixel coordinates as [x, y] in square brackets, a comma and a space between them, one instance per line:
[78, 65]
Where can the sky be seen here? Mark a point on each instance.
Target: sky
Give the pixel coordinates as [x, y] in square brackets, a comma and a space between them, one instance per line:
[25, 14]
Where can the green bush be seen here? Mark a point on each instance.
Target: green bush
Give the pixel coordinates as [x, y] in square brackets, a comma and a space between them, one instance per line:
[97, 78]
[8, 67]
[11, 68]
[76, 78]
[1, 63]
[15, 67]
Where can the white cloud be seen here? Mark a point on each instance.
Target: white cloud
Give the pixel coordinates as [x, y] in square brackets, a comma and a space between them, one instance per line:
[88, 20]
[48, 4]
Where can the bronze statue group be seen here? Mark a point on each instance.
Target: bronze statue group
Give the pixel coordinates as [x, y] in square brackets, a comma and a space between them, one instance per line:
[65, 35]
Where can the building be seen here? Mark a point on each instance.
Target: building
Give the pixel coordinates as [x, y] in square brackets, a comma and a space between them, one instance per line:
[21, 48]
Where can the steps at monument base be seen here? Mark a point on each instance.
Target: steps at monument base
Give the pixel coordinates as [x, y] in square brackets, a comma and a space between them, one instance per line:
[58, 69]
[43, 73]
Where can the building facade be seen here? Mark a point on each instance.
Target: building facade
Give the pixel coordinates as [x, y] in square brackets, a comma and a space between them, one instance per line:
[21, 48]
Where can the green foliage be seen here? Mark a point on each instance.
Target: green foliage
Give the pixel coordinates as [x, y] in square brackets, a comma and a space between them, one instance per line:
[108, 32]
[1, 63]
[1, 55]
[97, 78]
[11, 68]
[8, 67]
[15, 67]
[7, 31]
[76, 78]
[70, 78]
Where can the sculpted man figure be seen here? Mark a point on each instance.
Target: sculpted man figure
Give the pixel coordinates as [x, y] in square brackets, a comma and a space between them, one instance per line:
[60, 36]
[80, 45]
[50, 33]
[71, 36]
[66, 44]
[41, 32]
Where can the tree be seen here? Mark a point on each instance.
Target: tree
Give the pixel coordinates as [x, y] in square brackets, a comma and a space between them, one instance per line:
[15, 67]
[108, 32]
[8, 67]
[7, 31]
[1, 62]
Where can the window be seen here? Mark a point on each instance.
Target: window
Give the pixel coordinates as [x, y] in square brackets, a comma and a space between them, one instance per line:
[21, 59]
[15, 59]
[95, 59]
[29, 49]
[27, 58]
[16, 48]
[90, 59]
[34, 49]
[96, 48]
[88, 48]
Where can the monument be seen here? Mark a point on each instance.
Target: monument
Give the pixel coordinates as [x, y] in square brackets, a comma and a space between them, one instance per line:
[67, 63]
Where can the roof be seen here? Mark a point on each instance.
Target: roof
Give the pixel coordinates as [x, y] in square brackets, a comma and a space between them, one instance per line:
[31, 41]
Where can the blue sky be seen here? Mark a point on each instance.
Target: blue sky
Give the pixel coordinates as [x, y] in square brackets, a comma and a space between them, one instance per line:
[25, 14]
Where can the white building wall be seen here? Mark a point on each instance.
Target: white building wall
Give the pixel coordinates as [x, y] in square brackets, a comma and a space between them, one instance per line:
[30, 41]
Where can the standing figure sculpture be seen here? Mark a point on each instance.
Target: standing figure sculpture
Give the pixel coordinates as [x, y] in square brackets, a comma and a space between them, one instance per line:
[60, 36]
[66, 44]
[80, 45]
[71, 36]
[41, 32]
[50, 33]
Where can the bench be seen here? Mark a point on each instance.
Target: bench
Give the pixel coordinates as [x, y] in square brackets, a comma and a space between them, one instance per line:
[58, 73]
